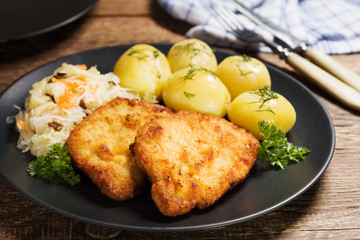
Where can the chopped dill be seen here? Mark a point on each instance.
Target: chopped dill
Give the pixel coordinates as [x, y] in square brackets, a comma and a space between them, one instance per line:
[244, 58]
[193, 71]
[268, 109]
[189, 95]
[192, 49]
[265, 95]
[141, 55]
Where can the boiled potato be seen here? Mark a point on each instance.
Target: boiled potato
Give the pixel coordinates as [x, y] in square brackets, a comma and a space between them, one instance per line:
[251, 107]
[143, 69]
[242, 73]
[196, 89]
[191, 52]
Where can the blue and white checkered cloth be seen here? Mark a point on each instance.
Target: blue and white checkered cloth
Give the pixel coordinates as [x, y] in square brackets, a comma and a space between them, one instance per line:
[332, 26]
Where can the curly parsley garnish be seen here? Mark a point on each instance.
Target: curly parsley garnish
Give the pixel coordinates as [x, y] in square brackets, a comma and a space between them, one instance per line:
[276, 148]
[57, 162]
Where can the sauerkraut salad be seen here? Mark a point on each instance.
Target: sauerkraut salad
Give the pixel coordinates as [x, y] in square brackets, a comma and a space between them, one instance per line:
[57, 103]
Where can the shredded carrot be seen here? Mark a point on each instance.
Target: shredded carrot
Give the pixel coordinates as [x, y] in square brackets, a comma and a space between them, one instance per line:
[20, 124]
[67, 100]
[82, 66]
[72, 92]
[82, 78]
[94, 87]
[69, 84]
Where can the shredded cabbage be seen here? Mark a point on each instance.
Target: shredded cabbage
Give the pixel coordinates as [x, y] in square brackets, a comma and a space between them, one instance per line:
[57, 103]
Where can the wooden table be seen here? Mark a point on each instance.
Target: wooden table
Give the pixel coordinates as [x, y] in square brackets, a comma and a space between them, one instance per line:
[330, 209]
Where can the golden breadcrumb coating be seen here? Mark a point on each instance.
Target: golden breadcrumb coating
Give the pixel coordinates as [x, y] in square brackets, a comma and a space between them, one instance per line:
[99, 145]
[192, 159]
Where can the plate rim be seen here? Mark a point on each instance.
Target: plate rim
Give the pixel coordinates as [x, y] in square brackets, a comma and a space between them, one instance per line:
[181, 228]
[53, 27]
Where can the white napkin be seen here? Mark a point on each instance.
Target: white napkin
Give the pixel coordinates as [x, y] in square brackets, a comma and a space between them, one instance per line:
[332, 26]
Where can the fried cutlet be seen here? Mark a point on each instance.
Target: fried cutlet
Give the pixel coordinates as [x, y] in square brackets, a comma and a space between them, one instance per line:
[192, 159]
[99, 145]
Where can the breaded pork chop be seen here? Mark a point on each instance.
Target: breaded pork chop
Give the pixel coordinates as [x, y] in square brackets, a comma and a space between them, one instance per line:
[192, 159]
[99, 145]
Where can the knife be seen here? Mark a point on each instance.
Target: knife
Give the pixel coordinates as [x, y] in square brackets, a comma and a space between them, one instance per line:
[294, 44]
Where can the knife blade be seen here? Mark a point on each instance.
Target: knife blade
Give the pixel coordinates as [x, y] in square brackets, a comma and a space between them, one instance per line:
[290, 41]
[295, 44]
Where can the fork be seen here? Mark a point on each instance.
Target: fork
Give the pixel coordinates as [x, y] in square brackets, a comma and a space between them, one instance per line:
[338, 89]
[228, 20]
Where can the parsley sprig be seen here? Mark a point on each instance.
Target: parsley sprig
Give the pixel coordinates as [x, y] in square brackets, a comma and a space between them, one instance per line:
[276, 148]
[57, 162]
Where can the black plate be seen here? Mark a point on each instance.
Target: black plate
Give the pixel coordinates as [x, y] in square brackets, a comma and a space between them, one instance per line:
[25, 18]
[265, 190]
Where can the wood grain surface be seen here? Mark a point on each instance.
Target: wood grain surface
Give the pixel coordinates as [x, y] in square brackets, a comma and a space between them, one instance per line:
[330, 209]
